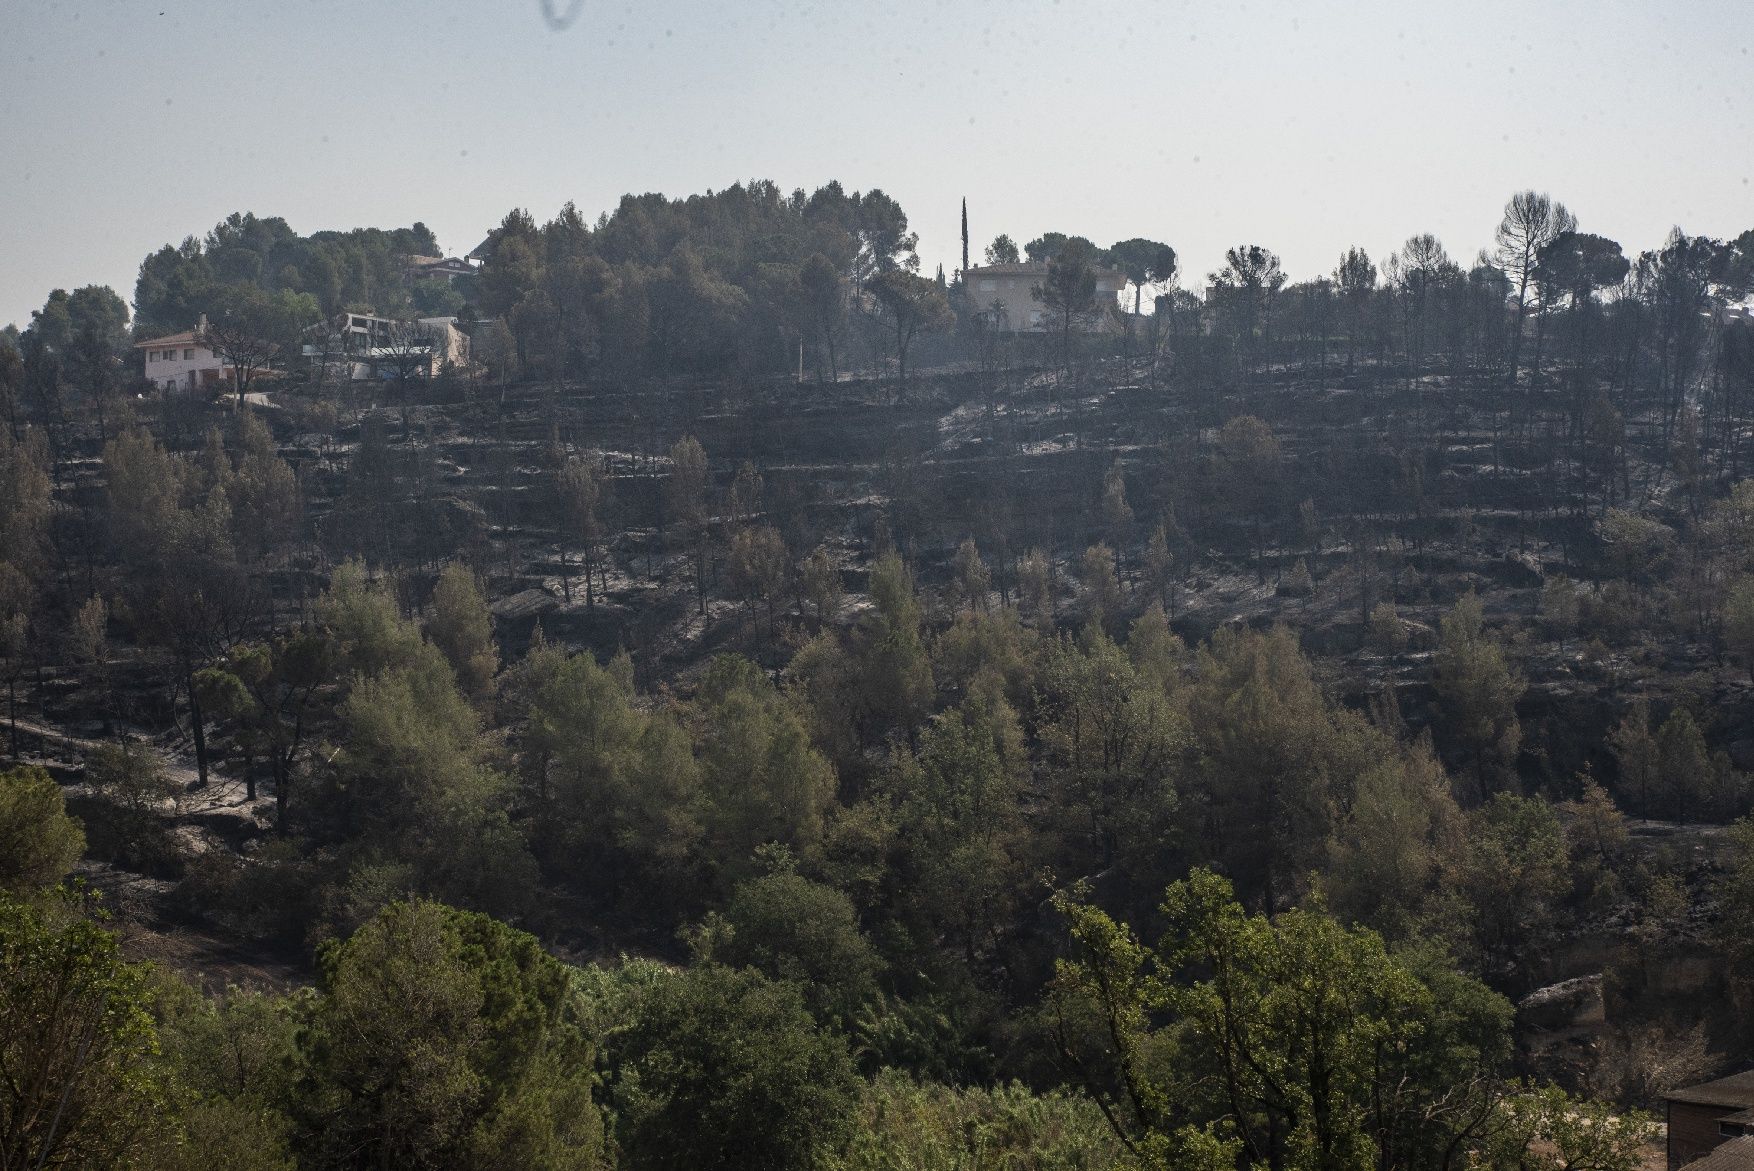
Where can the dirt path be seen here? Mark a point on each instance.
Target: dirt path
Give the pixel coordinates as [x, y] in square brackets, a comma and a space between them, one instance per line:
[138, 904]
[222, 794]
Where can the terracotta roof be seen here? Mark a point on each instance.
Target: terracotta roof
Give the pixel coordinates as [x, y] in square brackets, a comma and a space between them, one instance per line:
[1030, 268]
[1734, 1092]
[1735, 1155]
[176, 339]
[1023, 268]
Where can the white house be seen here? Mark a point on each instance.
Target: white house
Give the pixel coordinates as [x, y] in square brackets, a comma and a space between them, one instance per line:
[359, 346]
[182, 361]
[1013, 287]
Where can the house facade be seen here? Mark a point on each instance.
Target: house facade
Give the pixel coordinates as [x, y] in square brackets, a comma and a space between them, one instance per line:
[181, 361]
[1006, 292]
[359, 346]
[1704, 1118]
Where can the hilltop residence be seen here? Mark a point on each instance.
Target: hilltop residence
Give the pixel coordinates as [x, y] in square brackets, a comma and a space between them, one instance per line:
[182, 361]
[1006, 292]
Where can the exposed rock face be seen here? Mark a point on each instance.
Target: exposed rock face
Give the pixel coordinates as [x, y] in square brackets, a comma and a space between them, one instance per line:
[1567, 1004]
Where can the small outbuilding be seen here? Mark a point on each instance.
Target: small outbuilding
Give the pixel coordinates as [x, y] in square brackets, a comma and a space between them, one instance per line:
[1709, 1118]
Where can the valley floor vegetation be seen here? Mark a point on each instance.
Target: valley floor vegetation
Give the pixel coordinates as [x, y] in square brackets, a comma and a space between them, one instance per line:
[764, 712]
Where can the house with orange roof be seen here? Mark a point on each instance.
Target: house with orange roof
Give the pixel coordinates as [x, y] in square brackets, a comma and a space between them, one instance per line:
[182, 361]
[1009, 294]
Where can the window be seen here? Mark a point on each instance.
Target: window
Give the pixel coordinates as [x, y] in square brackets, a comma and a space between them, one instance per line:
[1731, 1129]
[989, 285]
[188, 355]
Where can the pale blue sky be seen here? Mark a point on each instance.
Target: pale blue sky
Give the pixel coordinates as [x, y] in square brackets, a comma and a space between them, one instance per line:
[1305, 127]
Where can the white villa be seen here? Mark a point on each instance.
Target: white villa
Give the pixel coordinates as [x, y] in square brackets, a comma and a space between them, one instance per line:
[1014, 285]
[182, 361]
[359, 346]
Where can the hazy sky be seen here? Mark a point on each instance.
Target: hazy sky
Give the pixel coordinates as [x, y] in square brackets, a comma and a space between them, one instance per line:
[1304, 126]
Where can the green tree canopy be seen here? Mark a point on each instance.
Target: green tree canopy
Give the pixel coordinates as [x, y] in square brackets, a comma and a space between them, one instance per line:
[81, 1085]
[39, 843]
[790, 928]
[1296, 1041]
[445, 1039]
[1478, 691]
[720, 1069]
[1146, 262]
[762, 780]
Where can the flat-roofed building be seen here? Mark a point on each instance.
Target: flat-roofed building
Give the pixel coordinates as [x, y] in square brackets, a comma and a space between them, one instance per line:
[358, 346]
